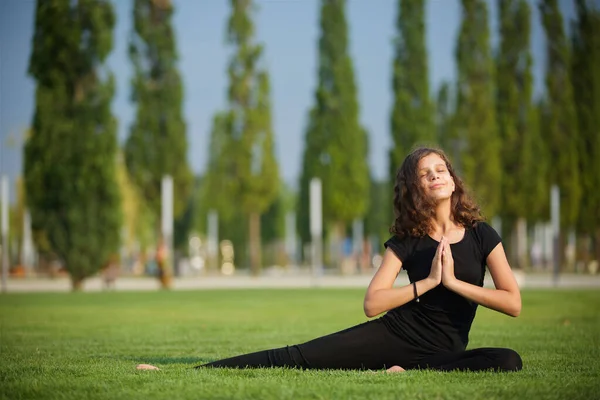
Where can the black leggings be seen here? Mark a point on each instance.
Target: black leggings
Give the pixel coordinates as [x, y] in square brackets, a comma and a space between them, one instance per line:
[371, 346]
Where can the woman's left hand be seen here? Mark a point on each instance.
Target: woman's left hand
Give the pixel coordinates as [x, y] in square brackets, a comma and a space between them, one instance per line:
[448, 276]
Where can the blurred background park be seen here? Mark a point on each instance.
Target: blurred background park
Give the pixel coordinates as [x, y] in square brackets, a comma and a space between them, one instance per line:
[198, 138]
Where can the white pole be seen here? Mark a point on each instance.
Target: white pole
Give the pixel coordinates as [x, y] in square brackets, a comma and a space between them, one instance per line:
[549, 245]
[290, 236]
[27, 248]
[316, 225]
[212, 247]
[358, 227]
[4, 199]
[555, 215]
[167, 217]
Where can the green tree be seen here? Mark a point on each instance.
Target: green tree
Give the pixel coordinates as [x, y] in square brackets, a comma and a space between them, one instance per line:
[586, 85]
[444, 114]
[273, 220]
[220, 185]
[138, 222]
[412, 113]
[273, 227]
[256, 168]
[70, 156]
[475, 116]
[535, 156]
[515, 115]
[336, 145]
[378, 219]
[157, 144]
[560, 124]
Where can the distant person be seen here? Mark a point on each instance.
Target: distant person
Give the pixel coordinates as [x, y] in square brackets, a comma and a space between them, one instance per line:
[110, 273]
[440, 239]
[162, 263]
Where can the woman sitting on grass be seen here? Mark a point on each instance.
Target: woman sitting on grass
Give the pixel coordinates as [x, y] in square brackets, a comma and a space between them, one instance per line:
[440, 239]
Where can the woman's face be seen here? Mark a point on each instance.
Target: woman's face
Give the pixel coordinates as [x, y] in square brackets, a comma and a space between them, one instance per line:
[434, 178]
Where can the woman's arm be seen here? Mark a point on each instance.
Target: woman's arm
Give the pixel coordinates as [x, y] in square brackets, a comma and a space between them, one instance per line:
[381, 296]
[506, 298]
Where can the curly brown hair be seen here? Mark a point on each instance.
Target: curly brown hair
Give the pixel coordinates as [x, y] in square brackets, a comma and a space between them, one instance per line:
[414, 212]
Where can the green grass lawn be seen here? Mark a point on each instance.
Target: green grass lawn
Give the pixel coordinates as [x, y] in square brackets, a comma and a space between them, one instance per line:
[86, 346]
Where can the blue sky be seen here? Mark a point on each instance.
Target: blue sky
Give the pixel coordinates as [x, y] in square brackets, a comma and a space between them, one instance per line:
[289, 31]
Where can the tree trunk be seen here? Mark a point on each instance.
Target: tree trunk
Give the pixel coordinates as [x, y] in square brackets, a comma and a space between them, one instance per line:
[512, 245]
[514, 242]
[339, 231]
[597, 246]
[560, 252]
[76, 284]
[584, 253]
[570, 246]
[521, 235]
[255, 256]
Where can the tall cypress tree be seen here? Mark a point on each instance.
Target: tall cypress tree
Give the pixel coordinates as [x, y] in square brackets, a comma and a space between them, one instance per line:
[273, 221]
[219, 185]
[412, 113]
[515, 115]
[514, 109]
[157, 144]
[537, 185]
[336, 145]
[250, 112]
[476, 119]
[586, 85]
[559, 116]
[70, 156]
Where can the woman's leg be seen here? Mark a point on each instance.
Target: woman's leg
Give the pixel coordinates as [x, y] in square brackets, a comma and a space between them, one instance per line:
[288, 356]
[366, 346]
[497, 359]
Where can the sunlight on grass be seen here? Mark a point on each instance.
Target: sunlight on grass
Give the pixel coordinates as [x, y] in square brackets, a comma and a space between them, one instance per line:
[86, 345]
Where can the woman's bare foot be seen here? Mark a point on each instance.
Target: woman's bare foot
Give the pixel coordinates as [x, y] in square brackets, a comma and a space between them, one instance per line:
[147, 366]
[395, 368]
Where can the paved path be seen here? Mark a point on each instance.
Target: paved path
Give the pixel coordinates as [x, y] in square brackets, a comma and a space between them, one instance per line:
[95, 284]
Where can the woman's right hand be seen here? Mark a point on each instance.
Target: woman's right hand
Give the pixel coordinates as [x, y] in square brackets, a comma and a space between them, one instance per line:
[435, 275]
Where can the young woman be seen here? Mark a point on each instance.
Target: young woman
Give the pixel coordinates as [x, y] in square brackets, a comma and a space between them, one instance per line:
[441, 241]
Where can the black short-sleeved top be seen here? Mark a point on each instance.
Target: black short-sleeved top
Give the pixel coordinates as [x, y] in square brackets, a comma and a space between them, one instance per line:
[442, 319]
